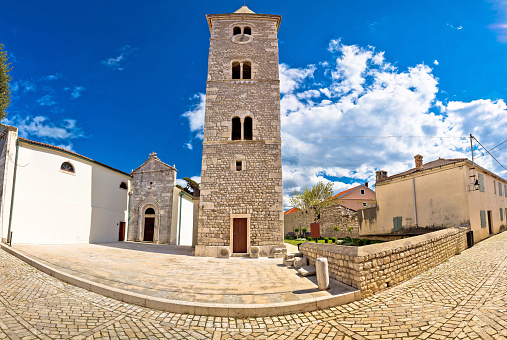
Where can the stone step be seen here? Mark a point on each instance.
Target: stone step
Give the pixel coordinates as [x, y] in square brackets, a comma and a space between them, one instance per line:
[307, 271]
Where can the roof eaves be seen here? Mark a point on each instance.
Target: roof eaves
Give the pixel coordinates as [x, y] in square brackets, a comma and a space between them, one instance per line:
[57, 148]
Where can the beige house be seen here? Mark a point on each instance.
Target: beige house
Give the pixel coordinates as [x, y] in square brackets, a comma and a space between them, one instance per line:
[358, 197]
[439, 194]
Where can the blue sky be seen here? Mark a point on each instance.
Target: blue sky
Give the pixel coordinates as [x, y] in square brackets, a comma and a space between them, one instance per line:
[116, 80]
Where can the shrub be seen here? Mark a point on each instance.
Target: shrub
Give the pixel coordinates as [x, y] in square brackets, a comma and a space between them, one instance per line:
[368, 242]
[360, 243]
[308, 238]
[326, 240]
[333, 239]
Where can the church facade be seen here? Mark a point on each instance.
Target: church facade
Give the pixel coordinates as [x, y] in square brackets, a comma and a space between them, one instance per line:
[241, 178]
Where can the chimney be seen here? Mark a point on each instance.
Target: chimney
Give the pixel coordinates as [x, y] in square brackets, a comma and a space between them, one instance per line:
[418, 161]
[366, 184]
[380, 174]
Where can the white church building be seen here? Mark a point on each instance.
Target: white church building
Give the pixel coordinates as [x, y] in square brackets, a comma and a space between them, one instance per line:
[49, 195]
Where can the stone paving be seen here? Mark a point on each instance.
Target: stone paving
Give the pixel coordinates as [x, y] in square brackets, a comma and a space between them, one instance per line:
[464, 298]
[171, 272]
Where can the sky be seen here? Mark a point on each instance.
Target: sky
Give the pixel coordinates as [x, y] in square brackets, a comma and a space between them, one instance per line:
[365, 85]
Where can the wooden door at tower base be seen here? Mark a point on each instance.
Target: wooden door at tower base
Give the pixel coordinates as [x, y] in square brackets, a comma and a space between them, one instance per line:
[239, 235]
[121, 236]
[149, 227]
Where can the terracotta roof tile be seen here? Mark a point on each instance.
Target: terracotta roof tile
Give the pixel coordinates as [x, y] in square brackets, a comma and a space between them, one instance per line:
[430, 165]
[291, 210]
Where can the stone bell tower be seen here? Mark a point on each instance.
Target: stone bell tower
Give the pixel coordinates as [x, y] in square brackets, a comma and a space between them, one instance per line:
[241, 181]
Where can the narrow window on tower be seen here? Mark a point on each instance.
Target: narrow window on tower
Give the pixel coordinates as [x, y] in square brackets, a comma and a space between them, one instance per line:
[236, 70]
[248, 128]
[239, 165]
[247, 70]
[247, 30]
[236, 31]
[236, 129]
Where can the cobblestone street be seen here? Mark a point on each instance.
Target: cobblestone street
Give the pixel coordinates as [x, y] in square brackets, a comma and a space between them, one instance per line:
[464, 298]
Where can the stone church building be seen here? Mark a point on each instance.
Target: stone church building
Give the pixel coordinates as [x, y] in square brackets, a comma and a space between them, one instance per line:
[241, 179]
[49, 195]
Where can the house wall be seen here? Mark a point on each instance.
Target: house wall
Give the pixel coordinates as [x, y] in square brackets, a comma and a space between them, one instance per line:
[7, 156]
[491, 200]
[441, 201]
[354, 200]
[52, 206]
[109, 204]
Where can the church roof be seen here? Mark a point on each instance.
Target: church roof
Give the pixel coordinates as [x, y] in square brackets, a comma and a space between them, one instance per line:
[159, 164]
[49, 146]
[245, 9]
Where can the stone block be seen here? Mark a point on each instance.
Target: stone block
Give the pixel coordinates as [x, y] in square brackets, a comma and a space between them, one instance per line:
[307, 271]
[254, 252]
[224, 252]
[301, 262]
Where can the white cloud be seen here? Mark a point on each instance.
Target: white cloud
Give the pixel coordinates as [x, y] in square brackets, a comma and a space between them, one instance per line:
[436, 62]
[76, 92]
[195, 115]
[357, 92]
[42, 127]
[500, 27]
[23, 86]
[51, 77]
[455, 27]
[117, 63]
[46, 100]
[290, 78]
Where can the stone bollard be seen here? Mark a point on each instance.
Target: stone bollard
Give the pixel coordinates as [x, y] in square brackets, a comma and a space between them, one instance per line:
[254, 252]
[322, 273]
[224, 252]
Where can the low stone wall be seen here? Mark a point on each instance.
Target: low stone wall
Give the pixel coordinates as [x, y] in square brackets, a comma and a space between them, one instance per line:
[376, 267]
[331, 216]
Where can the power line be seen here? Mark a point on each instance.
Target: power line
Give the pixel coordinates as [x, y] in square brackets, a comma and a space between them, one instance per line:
[489, 153]
[384, 137]
[498, 145]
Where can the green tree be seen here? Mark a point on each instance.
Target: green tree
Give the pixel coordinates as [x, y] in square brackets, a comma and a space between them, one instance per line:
[336, 229]
[192, 187]
[296, 230]
[5, 78]
[313, 199]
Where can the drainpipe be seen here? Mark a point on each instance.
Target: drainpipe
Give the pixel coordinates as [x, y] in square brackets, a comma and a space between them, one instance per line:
[415, 203]
[9, 235]
[179, 227]
[128, 219]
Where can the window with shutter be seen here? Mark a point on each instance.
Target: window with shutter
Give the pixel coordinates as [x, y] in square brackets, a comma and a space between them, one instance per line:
[500, 189]
[481, 183]
[483, 219]
[501, 214]
[397, 223]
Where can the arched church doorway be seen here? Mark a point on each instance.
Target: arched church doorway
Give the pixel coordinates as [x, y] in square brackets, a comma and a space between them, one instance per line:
[149, 224]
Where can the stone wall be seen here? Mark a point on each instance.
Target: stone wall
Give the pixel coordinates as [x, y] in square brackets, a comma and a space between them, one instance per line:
[376, 267]
[152, 187]
[254, 189]
[331, 216]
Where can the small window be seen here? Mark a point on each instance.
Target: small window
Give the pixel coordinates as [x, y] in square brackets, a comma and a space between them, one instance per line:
[248, 128]
[150, 211]
[236, 129]
[483, 218]
[247, 30]
[501, 214]
[239, 165]
[236, 70]
[364, 204]
[123, 185]
[362, 191]
[236, 31]
[247, 70]
[66, 166]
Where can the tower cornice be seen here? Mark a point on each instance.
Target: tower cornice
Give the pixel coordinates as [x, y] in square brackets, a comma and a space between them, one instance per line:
[243, 16]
